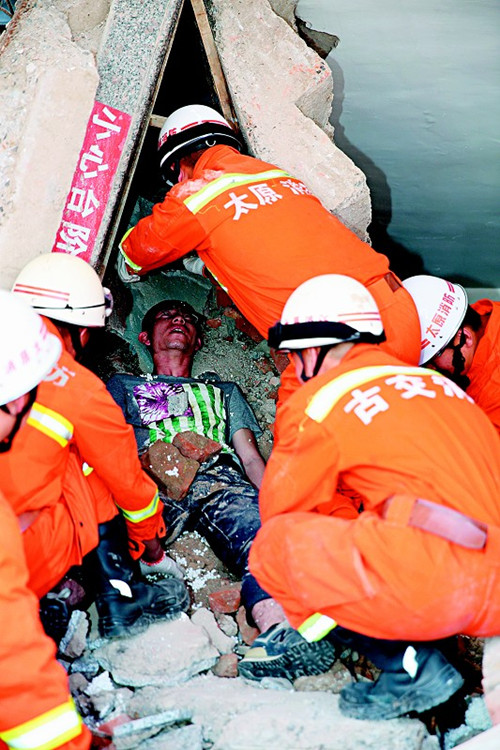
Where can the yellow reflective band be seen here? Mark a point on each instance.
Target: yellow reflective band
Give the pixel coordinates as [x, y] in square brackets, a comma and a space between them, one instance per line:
[330, 394]
[316, 627]
[51, 423]
[86, 469]
[129, 262]
[136, 516]
[50, 730]
[199, 200]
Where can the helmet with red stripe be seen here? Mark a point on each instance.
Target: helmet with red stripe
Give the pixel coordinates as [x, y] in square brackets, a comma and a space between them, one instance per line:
[65, 288]
[328, 310]
[190, 129]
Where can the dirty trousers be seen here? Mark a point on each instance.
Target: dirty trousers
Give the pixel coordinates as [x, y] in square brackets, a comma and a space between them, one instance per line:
[223, 507]
[378, 578]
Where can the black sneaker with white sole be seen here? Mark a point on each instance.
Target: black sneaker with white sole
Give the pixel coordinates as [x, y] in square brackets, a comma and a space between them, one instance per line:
[282, 652]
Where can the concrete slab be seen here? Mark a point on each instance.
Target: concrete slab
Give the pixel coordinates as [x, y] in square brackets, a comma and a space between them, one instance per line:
[282, 93]
[238, 716]
[47, 88]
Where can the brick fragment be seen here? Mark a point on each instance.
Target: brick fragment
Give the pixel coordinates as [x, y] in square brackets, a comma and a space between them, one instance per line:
[223, 299]
[225, 601]
[172, 471]
[248, 329]
[247, 632]
[280, 360]
[197, 447]
[214, 322]
[226, 666]
[264, 365]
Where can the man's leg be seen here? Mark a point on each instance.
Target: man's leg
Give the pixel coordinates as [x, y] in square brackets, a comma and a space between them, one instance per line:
[229, 520]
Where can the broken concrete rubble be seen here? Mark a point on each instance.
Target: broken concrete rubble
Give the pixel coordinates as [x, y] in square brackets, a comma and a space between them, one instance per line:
[166, 654]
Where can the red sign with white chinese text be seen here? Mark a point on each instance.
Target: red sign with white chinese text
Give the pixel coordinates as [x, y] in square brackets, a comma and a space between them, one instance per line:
[97, 164]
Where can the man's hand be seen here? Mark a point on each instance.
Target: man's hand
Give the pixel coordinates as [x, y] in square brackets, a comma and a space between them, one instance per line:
[165, 567]
[124, 273]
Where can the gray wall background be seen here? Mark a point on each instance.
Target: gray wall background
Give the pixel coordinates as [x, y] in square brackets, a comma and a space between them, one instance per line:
[417, 108]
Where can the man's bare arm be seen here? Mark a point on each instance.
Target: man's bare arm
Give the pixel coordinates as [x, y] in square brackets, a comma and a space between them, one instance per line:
[246, 447]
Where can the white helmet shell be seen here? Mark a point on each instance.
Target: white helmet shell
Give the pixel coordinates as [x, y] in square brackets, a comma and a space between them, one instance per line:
[66, 288]
[331, 298]
[27, 350]
[441, 307]
[190, 127]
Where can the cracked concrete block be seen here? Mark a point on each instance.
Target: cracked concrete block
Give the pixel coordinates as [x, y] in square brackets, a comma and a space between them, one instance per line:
[47, 89]
[206, 620]
[283, 92]
[185, 738]
[236, 715]
[168, 653]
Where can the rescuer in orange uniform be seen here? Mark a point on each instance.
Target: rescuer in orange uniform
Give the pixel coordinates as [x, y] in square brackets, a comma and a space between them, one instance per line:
[421, 561]
[259, 231]
[76, 460]
[460, 340]
[36, 709]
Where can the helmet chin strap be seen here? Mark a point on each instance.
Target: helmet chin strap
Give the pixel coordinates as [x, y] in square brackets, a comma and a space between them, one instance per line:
[323, 351]
[458, 363]
[5, 445]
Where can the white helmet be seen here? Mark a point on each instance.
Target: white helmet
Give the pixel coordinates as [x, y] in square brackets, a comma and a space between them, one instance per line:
[189, 129]
[327, 310]
[66, 288]
[27, 350]
[441, 307]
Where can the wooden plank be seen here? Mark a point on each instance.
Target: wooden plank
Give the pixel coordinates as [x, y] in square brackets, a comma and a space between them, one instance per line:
[210, 48]
[157, 121]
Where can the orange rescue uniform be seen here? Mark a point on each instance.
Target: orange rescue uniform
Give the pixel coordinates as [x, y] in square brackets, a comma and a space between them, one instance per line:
[261, 233]
[36, 709]
[484, 373]
[69, 467]
[381, 429]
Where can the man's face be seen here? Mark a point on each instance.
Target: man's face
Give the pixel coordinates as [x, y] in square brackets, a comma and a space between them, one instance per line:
[175, 328]
[444, 361]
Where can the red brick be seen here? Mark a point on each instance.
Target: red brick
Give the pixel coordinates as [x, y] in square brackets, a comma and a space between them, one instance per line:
[226, 666]
[280, 360]
[248, 329]
[226, 601]
[102, 735]
[232, 312]
[197, 447]
[172, 471]
[247, 632]
[264, 365]
[223, 299]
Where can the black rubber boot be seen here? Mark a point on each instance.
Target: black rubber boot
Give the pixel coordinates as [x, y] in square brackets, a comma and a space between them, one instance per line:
[414, 678]
[126, 605]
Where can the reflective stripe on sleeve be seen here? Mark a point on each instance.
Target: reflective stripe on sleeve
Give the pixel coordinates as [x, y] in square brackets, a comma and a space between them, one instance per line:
[330, 394]
[48, 731]
[86, 469]
[316, 627]
[216, 187]
[136, 516]
[129, 262]
[51, 423]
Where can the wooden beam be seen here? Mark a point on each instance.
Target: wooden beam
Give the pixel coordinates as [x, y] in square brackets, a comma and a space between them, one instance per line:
[210, 48]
